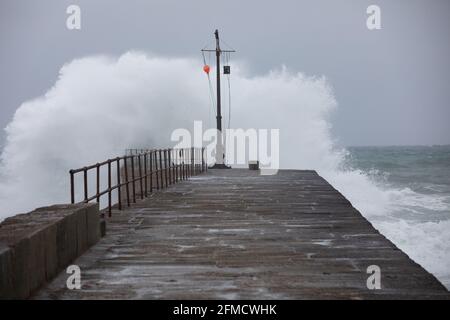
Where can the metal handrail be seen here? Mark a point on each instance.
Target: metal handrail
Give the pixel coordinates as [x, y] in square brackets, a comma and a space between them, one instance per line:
[165, 166]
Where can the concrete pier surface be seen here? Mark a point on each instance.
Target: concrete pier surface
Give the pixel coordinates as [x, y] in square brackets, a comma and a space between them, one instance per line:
[234, 234]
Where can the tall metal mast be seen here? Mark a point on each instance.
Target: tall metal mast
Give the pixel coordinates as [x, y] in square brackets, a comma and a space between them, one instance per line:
[220, 155]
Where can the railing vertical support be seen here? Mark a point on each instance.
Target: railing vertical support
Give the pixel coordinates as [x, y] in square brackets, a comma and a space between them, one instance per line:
[72, 187]
[197, 161]
[191, 160]
[109, 188]
[133, 179]
[170, 166]
[127, 185]
[203, 160]
[119, 194]
[161, 169]
[146, 174]
[191, 157]
[157, 170]
[175, 155]
[174, 160]
[85, 184]
[97, 166]
[166, 171]
[183, 169]
[140, 177]
[151, 172]
[186, 162]
[180, 168]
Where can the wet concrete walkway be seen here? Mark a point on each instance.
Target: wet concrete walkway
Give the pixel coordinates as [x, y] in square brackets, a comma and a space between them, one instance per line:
[233, 234]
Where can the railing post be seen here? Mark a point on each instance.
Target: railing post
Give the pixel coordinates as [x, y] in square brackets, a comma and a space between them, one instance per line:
[180, 168]
[183, 169]
[109, 188]
[127, 185]
[72, 187]
[183, 164]
[191, 153]
[174, 160]
[194, 161]
[166, 170]
[175, 154]
[197, 161]
[161, 169]
[170, 166]
[85, 184]
[177, 166]
[151, 171]
[203, 159]
[119, 194]
[187, 162]
[191, 156]
[140, 177]
[133, 179]
[97, 166]
[146, 174]
[157, 170]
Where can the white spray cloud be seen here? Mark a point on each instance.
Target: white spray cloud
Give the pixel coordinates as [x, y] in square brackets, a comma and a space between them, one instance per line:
[101, 106]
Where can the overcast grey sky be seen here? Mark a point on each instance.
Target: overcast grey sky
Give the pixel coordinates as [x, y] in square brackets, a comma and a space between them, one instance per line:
[392, 85]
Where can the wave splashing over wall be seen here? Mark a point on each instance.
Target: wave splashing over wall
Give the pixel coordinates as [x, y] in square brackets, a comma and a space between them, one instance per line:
[101, 106]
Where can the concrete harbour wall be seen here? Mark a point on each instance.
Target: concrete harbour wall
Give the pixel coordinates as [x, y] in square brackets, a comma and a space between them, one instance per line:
[36, 246]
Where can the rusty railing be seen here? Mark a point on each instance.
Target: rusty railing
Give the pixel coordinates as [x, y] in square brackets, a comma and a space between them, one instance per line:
[142, 169]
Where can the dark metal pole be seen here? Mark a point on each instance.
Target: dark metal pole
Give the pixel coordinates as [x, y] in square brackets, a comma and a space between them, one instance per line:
[219, 115]
[220, 157]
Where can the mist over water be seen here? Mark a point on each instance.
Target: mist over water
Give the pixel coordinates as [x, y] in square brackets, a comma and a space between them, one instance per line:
[101, 106]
